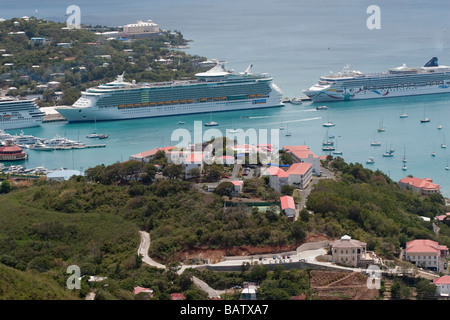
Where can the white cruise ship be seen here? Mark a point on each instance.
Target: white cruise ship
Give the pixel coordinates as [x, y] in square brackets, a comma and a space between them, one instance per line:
[16, 114]
[397, 82]
[215, 90]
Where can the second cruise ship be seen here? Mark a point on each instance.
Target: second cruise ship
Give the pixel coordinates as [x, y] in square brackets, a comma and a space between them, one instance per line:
[397, 82]
[215, 90]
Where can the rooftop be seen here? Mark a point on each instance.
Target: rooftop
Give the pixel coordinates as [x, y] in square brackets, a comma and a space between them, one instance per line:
[299, 168]
[442, 280]
[424, 184]
[287, 202]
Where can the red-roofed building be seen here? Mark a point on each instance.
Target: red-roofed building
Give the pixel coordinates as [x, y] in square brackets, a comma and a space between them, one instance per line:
[442, 286]
[427, 254]
[298, 175]
[423, 186]
[288, 206]
[237, 186]
[11, 152]
[177, 296]
[302, 154]
[138, 290]
[443, 216]
[146, 156]
[193, 160]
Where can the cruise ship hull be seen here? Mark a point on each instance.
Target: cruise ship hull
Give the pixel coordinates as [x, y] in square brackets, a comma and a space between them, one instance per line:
[20, 124]
[74, 114]
[328, 95]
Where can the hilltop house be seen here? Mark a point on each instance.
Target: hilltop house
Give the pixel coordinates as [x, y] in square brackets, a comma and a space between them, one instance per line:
[423, 186]
[353, 253]
[302, 154]
[298, 175]
[427, 254]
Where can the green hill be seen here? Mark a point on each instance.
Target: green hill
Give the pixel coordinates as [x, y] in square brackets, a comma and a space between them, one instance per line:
[21, 285]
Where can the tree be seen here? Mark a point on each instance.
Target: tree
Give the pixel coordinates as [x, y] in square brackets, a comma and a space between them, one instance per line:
[425, 290]
[173, 171]
[287, 190]
[5, 186]
[224, 189]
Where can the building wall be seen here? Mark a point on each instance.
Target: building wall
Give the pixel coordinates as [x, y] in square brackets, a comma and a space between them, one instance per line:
[443, 289]
[346, 256]
[426, 259]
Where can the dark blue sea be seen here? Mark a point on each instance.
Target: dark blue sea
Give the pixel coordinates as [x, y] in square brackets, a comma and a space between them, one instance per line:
[296, 42]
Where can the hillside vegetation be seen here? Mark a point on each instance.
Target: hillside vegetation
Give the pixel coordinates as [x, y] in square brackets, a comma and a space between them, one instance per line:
[48, 226]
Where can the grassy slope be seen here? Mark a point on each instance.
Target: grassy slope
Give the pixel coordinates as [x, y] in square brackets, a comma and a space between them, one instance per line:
[25, 285]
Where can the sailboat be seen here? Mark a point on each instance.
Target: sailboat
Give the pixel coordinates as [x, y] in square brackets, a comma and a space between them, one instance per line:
[97, 135]
[404, 167]
[443, 145]
[425, 119]
[281, 126]
[211, 123]
[404, 156]
[389, 153]
[404, 114]
[381, 128]
[447, 167]
[327, 142]
[337, 151]
[288, 133]
[375, 143]
[439, 126]
[433, 154]
[370, 160]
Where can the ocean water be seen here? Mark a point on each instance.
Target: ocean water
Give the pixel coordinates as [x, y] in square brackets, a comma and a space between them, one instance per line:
[296, 42]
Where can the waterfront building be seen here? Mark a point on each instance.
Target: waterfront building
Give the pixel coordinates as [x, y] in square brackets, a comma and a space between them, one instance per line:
[140, 29]
[302, 154]
[423, 186]
[298, 175]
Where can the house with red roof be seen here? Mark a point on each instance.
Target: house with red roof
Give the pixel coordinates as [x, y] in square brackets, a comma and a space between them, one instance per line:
[138, 290]
[193, 160]
[443, 216]
[147, 156]
[423, 186]
[288, 206]
[442, 286]
[426, 254]
[177, 296]
[238, 185]
[302, 154]
[298, 175]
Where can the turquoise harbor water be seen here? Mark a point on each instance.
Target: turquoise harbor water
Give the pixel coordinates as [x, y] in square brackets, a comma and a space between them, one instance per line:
[296, 42]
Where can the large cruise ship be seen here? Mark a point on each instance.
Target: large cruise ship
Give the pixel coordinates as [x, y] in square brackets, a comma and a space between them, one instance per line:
[214, 90]
[16, 114]
[397, 82]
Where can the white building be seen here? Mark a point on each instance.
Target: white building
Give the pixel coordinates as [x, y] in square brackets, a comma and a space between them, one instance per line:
[193, 160]
[442, 286]
[426, 254]
[298, 175]
[302, 154]
[140, 29]
[62, 175]
[288, 206]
